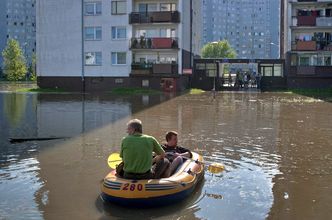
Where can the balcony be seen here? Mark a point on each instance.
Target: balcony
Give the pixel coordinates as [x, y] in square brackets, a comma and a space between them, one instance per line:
[306, 45]
[154, 43]
[324, 21]
[154, 68]
[165, 68]
[154, 17]
[141, 68]
[306, 20]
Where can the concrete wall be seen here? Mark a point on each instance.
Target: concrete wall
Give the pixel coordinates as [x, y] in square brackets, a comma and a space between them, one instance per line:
[309, 82]
[108, 45]
[275, 32]
[197, 27]
[59, 38]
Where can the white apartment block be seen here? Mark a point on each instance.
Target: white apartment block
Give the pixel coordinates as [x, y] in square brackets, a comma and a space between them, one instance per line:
[307, 42]
[17, 21]
[102, 44]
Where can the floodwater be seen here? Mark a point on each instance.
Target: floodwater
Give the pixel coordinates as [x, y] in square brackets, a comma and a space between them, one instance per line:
[276, 148]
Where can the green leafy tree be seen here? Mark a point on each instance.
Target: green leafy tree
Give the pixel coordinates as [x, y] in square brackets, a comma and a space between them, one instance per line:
[32, 68]
[14, 61]
[220, 49]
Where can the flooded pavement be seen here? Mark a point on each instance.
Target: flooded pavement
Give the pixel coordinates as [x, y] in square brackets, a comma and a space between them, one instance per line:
[276, 148]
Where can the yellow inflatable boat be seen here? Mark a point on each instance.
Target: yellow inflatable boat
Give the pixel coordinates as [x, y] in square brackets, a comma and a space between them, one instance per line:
[154, 192]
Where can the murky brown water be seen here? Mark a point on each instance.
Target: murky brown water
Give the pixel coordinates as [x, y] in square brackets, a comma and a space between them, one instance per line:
[276, 148]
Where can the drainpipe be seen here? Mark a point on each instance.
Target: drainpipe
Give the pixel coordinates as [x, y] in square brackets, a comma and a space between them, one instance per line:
[191, 33]
[83, 56]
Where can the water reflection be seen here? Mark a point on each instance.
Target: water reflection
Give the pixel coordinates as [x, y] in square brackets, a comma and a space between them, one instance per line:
[19, 181]
[274, 148]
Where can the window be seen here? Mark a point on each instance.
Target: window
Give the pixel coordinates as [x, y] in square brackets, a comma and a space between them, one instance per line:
[119, 7]
[118, 81]
[167, 7]
[167, 32]
[144, 7]
[119, 33]
[92, 33]
[277, 70]
[119, 58]
[92, 8]
[145, 83]
[93, 58]
[304, 61]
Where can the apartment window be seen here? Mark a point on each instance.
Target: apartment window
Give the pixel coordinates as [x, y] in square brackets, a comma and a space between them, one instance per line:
[145, 83]
[92, 8]
[145, 7]
[167, 7]
[92, 33]
[119, 33]
[167, 32]
[119, 58]
[93, 58]
[304, 61]
[119, 81]
[277, 70]
[119, 7]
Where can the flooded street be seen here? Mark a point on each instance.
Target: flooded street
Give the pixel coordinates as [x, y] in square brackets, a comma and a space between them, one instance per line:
[276, 148]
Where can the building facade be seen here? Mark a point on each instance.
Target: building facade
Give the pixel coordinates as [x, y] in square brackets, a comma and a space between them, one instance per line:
[17, 21]
[307, 43]
[251, 27]
[102, 44]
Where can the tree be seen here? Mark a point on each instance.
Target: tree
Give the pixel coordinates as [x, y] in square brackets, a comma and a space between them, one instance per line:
[220, 49]
[14, 61]
[32, 68]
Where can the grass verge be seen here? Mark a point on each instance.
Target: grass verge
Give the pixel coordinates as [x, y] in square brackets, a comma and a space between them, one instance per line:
[40, 90]
[196, 91]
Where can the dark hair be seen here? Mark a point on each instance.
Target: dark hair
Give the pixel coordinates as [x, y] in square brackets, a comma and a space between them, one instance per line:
[170, 134]
[136, 124]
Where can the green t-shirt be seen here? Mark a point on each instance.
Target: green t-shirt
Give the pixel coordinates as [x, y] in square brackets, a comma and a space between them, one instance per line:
[136, 152]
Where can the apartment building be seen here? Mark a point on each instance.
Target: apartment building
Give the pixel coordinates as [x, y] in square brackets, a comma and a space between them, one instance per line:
[307, 42]
[251, 27]
[102, 44]
[17, 21]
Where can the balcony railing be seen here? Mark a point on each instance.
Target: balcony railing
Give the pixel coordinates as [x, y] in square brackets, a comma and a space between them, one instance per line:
[154, 17]
[306, 45]
[318, 45]
[324, 21]
[154, 43]
[154, 68]
[307, 0]
[306, 20]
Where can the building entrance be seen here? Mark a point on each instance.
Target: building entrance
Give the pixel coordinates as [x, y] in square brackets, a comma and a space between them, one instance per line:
[234, 74]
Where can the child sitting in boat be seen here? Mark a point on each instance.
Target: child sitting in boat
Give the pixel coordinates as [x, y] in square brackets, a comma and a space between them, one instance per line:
[174, 153]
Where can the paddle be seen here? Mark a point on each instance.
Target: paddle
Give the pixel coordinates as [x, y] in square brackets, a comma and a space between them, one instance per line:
[115, 159]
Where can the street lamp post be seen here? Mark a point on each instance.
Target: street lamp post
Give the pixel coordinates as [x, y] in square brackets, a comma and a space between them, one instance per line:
[277, 45]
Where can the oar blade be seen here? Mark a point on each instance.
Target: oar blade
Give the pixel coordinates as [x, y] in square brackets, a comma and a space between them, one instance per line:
[114, 160]
[216, 168]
